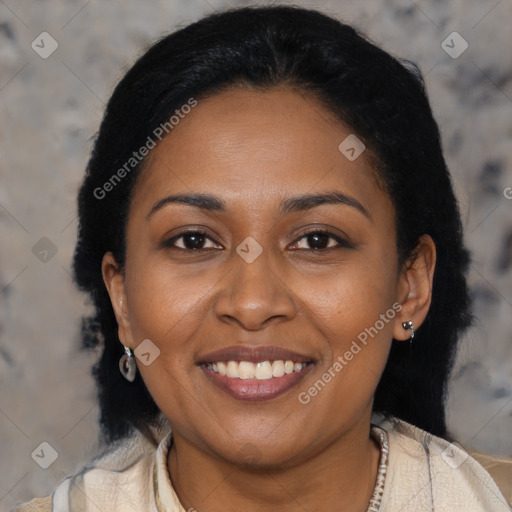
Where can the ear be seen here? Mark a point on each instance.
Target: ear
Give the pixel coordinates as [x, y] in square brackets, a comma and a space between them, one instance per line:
[415, 287]
[114, 281]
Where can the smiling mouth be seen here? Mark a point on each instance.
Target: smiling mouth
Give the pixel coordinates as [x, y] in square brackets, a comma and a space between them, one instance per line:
[248, 381]
[262, 370]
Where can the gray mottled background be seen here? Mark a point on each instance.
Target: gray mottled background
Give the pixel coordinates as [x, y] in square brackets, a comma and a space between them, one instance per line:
[50, 108]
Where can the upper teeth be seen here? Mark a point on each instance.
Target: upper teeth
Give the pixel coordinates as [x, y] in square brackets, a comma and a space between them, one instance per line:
[262, 371]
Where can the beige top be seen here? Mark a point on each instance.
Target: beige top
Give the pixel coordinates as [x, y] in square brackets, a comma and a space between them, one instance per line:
[424, 473]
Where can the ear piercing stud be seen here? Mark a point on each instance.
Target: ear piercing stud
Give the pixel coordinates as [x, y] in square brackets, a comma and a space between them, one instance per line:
[409, 326]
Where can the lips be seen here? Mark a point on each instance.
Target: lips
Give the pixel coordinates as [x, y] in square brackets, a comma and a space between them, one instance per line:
[253, 354]
[254, 373]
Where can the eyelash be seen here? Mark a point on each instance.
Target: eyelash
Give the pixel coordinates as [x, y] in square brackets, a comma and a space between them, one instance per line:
[342, 244]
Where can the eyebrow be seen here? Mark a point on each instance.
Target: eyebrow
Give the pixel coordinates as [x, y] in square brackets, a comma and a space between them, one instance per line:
[292, 204]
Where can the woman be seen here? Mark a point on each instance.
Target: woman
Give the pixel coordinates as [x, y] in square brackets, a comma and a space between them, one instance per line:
[270, 237]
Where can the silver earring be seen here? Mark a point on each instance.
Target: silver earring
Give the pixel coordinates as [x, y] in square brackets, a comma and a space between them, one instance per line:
[409, 325]
[127, 365]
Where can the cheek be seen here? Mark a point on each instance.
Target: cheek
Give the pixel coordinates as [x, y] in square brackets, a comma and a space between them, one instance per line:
[354, 310]
[353, 298]
[166, 306]
[357, 339]
[169, 310]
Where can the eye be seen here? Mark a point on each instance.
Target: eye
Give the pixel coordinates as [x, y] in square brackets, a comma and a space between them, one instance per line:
[195, 240]
[320, 240]
[192, 240]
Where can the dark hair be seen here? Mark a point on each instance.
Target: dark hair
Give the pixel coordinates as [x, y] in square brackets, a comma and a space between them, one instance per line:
[384, 102]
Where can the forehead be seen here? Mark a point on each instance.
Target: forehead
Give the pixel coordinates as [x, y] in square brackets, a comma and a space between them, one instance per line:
[253, 147]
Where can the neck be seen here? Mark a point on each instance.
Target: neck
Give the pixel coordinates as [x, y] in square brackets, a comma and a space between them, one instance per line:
[340, 477]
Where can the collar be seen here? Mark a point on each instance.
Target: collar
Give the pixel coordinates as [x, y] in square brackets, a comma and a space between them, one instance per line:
[165, 497]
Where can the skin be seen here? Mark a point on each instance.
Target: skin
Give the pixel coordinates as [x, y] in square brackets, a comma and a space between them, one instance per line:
[253, 149]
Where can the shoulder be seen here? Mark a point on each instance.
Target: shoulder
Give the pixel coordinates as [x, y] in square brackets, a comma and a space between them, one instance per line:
[426, 471]
[35, 505]
[500, 469]
[118, 479]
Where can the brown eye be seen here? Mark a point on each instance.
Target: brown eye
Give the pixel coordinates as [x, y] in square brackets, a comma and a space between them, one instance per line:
[192, 240]
[318, 240]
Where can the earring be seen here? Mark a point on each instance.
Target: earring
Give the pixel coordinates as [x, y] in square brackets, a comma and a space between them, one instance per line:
[127, 365]
[409, 325]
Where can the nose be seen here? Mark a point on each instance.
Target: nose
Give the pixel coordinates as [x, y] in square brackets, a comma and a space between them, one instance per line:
[254, 294]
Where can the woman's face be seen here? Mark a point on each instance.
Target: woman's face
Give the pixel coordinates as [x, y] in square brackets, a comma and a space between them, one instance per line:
[254, 283]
